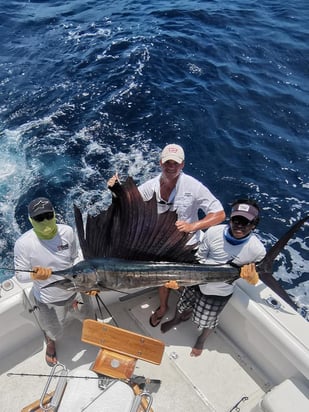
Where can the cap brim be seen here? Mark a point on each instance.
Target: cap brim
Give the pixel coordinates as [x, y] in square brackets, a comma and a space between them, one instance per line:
[175, 159]
[247, 215]
[41, 212]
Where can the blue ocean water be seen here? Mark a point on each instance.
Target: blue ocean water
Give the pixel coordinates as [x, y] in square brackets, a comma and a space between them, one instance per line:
[91, 87]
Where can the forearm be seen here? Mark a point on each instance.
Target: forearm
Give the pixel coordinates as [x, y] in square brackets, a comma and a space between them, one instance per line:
[20, 267]
[211, 219]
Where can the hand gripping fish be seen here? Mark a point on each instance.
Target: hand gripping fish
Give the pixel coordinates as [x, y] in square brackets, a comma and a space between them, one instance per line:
[130, 245]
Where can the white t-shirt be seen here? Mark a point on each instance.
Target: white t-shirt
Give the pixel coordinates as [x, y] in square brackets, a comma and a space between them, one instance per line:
[58, 253]
[188, 197]
[215, 249]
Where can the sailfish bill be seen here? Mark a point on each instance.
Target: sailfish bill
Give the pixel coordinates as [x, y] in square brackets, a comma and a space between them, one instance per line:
[130, 245]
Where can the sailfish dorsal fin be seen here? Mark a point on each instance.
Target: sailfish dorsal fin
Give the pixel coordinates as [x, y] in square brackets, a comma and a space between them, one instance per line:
[131, 228]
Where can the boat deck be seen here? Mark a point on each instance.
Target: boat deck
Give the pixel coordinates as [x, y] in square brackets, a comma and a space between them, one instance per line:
[215, 382]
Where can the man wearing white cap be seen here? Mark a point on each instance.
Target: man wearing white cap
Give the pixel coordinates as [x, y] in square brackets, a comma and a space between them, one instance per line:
[186, 195]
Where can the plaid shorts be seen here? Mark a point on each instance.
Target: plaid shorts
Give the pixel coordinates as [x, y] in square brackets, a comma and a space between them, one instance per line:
[206, 308]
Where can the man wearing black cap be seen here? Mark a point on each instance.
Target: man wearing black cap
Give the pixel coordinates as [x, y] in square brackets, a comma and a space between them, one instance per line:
[233, 243]
[46, 248]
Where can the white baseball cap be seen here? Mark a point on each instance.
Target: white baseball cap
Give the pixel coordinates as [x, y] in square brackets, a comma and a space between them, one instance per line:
[172, 152]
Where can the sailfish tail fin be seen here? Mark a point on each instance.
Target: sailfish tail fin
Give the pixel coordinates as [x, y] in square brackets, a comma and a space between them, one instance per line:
[265, 267]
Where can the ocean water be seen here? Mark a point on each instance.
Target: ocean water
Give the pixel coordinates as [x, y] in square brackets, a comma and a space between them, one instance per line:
[93, 87]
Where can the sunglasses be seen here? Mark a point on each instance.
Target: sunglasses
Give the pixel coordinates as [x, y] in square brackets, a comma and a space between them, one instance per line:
[163, 202]
[241, 221]
[43, 216]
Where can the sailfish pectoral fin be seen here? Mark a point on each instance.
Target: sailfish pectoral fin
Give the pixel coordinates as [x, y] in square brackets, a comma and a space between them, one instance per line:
[65, 284]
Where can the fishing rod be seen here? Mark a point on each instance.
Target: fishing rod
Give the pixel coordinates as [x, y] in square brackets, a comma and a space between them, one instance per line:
[139, 380]
[42, 375]
[16, 270]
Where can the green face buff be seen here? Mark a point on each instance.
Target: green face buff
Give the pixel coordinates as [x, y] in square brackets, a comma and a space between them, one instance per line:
[46, 229]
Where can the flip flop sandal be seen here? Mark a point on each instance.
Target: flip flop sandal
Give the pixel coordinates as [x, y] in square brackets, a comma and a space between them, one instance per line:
[155, 319]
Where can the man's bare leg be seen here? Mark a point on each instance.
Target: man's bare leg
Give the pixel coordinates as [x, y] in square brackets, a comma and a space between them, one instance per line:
[199, 344]
[173, 322]
[178, 317]
[50, 355]
[156, 317]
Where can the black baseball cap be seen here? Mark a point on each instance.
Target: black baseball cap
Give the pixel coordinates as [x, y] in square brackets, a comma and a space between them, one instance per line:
[39, 206]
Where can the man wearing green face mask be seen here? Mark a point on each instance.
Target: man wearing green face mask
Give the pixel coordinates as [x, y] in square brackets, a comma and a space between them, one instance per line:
[42, 250]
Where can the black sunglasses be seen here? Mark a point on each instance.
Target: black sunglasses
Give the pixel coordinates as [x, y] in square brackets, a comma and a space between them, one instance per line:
[163, 202]
[43, 216]
[241, 221]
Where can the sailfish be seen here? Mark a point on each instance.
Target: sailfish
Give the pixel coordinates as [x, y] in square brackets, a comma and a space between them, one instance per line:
[131, 245]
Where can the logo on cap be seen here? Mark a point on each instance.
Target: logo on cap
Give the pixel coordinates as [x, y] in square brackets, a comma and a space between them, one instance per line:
[173, 152]
[243, 209]
[40, 205]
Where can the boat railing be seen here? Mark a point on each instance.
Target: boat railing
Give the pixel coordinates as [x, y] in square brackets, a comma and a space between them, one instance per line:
[61, 372]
